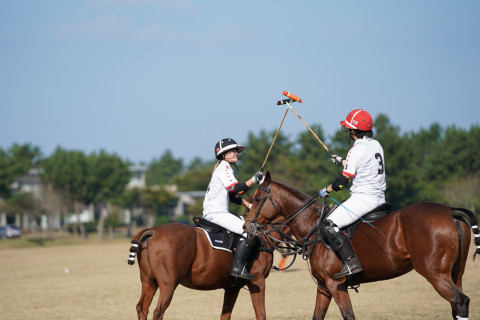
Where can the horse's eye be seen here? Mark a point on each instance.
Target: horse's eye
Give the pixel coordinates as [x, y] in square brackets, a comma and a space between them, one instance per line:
[257, 199]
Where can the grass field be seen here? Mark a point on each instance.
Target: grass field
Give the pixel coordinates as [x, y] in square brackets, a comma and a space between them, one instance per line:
[93, 281]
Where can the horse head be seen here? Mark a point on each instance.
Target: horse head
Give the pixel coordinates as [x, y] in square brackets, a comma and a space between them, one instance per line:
[263, 208]
[274, 201]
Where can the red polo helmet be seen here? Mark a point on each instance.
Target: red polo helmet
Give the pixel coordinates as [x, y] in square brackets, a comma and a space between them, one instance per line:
[358, 119]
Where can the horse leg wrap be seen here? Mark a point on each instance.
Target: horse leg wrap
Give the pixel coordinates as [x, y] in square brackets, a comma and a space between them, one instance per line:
[133, 252]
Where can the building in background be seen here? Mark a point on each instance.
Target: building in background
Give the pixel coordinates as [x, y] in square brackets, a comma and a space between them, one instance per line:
[33, 184]
[137, 179]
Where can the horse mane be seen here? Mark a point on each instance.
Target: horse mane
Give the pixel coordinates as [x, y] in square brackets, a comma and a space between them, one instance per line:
[293, 193]
[291, 189]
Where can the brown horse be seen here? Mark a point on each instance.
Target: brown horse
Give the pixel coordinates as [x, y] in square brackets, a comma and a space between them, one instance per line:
[175, 253]
[429, 237]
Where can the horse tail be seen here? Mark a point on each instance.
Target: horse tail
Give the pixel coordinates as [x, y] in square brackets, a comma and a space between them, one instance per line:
[473, 221]
[137, 242]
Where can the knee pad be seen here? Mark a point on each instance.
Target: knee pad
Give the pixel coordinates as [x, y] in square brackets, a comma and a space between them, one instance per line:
[250, 241]
[332, 235]
[328, 227]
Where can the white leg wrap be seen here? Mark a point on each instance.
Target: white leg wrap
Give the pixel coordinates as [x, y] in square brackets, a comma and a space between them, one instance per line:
[460, 318]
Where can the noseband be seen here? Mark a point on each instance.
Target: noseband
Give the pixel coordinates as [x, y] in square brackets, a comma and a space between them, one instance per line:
[296, 245]
[267, 195]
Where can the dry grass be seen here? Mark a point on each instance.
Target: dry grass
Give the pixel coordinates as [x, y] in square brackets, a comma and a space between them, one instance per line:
[94, 281]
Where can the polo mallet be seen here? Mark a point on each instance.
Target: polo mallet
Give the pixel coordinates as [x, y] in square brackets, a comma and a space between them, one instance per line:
[288, 101]
[293, 99]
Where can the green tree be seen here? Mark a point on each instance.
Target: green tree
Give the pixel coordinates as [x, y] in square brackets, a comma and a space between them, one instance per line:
[402, 188]
[196, 177]
[453, 165]
[162, 171]
[131, 199]
[256, 152]
[456, 154]
[340, 143]
[22, 204]
[312, 167]
[463, 192]
[107, 176]
[417, 155]
[153, 200]
[68, 173]
[14, 162]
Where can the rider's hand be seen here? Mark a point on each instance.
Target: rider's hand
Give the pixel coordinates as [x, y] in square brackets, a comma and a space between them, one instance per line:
[337, 160]
[323, 193]
[258, 177]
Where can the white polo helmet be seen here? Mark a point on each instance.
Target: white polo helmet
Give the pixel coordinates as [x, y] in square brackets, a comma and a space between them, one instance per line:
[226, 144]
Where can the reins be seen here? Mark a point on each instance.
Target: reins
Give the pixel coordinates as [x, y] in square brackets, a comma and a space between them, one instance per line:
[296, 246]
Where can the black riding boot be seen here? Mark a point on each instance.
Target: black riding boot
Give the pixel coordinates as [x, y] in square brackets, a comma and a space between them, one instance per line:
[341, 245]
[239, 269]
[351, 264]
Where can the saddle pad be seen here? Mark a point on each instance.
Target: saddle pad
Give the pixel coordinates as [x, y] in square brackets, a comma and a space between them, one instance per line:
[219, 241]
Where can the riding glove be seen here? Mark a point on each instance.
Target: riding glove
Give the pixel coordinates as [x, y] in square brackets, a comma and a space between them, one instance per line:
[337, 160]
[258, 177]
[323, 193]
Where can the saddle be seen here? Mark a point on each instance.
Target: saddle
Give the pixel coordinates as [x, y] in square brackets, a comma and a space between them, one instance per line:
[376, 214]
[222, 239]
[219, 237]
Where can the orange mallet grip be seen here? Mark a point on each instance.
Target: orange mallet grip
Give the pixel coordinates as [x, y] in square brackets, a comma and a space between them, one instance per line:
[292, 96]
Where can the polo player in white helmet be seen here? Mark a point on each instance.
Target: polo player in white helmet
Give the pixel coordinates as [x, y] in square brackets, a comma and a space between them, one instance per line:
[224, 187]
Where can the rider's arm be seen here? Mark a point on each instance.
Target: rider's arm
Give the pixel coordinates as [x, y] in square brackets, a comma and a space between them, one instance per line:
[241, 188]
[246, 204]
[339, 183]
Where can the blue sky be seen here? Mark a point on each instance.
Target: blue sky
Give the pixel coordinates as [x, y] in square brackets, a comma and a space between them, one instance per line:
[138, 77]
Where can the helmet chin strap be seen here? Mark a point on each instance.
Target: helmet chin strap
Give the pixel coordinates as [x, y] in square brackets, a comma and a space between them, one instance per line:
[351, 135]
[225, 158]
[233, 164]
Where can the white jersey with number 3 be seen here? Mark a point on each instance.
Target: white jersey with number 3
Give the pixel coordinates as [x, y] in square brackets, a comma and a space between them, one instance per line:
[365, 165]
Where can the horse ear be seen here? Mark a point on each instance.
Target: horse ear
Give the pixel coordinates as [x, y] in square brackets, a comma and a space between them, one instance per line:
[268, 177]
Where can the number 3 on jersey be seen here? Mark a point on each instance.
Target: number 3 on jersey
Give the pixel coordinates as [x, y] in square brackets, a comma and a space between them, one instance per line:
[378, 156]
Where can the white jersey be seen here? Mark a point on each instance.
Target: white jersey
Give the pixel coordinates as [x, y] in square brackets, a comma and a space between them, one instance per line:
[221, 184]
[365, 164]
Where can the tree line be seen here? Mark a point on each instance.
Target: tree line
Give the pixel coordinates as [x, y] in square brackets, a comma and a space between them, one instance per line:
[432, 164]
[437, 164]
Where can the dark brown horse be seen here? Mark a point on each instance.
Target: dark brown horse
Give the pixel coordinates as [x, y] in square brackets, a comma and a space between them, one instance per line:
[176, 253]
[429, 237]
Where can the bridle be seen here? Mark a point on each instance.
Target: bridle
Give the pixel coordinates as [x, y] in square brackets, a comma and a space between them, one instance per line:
[296, 246]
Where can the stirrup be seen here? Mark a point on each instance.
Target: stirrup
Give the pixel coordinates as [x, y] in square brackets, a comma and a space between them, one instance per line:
[346, 271]
[244, 274]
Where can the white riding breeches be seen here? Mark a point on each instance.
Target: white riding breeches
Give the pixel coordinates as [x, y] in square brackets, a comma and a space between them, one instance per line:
[353, 208]
[228, 221]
